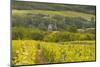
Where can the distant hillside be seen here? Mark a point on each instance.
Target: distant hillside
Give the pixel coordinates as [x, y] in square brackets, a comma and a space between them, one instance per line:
[59, 16]
[52, 13]
[20, 5]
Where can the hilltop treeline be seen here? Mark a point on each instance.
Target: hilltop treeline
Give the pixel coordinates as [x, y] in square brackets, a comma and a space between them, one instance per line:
[22, 5]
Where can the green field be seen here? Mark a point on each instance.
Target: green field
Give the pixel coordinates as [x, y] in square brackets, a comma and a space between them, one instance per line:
[48, 12]
[36, 52]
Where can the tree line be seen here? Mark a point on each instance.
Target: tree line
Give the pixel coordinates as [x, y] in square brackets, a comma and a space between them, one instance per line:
[58, 22]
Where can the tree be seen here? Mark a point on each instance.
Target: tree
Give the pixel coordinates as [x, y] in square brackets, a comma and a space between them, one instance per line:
[72, 28]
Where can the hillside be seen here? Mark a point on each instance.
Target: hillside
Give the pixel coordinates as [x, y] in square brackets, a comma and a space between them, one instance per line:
[49, 12]
[30, 19]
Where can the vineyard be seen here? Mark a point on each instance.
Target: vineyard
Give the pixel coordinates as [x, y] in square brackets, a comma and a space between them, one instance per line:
[27, 52]
[46, 33]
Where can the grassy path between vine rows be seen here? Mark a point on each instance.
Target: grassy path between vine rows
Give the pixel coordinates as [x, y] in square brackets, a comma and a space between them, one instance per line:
[40, 58]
